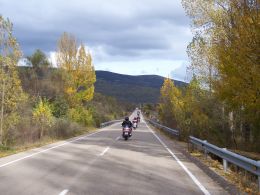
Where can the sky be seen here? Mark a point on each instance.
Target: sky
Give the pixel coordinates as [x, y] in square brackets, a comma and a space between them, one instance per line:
[125, 36]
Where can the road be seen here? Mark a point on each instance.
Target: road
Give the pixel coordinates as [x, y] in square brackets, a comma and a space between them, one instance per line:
[103, 163]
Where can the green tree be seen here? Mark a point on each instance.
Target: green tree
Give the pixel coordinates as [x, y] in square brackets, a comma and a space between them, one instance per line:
[11, 93]
[39, 72]
[39, 60]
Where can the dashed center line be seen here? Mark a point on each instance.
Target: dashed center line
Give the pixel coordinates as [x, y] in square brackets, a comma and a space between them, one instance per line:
[64, 192]
[106, 149]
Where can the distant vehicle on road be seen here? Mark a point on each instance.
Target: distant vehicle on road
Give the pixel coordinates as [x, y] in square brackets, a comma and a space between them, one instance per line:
[135, 121]
[138, 119]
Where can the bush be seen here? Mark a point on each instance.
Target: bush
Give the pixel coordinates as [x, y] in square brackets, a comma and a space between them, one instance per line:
[42, 115]
[64, 129]
[59, 107]
[81, 115]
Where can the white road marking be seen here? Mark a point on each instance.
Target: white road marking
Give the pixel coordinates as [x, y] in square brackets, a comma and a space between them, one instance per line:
[118, 138]
[194, 179]
[64, 192]
[42, 151]
[106, 149]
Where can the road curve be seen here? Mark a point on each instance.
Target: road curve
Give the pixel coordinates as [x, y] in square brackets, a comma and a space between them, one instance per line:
[103, 163]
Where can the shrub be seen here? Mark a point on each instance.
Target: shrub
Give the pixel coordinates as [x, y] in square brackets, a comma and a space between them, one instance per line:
[81, 115]
[64, 129]
[42, 115]
[59, 107]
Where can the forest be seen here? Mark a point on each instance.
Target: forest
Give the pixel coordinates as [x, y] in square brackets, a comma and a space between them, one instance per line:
[222, 101]
[40, 103]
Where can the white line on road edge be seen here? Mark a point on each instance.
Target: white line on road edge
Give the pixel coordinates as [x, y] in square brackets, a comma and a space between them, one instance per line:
[42, 151]
[64, 192]
[106, 149]
[196, 181]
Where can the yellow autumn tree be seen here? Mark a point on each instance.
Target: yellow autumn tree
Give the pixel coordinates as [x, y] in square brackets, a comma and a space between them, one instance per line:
[42, 115]
[11, 93]
[225, 54]
[78, 70]
[170, 104]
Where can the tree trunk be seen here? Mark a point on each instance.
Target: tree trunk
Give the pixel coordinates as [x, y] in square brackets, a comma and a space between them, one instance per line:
[247, 132]
[232, 129]
[41, 134]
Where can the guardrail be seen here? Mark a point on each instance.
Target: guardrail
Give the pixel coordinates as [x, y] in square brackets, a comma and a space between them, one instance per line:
[167, 129]
[248, 164]
[109, 123]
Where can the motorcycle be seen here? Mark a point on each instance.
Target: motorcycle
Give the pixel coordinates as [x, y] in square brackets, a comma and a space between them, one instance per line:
[134, 124]
[127, 132]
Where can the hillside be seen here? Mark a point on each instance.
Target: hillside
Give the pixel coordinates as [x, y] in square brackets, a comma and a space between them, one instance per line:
[136, 89]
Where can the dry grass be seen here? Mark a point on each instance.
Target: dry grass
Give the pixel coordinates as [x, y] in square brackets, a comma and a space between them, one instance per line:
[7, 151]
[245, 181]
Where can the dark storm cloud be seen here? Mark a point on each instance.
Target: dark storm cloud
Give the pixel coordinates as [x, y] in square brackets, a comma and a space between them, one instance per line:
[123, 28]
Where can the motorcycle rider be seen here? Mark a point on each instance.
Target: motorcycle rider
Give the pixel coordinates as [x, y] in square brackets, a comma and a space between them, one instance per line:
[128, 123]
[138, 116]
[135, 121]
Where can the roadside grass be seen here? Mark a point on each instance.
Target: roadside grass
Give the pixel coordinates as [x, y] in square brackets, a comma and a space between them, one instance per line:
[7, 151]
[245, 181]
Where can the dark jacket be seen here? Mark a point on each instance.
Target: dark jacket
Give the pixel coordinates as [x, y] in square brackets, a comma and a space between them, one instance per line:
[128, 123]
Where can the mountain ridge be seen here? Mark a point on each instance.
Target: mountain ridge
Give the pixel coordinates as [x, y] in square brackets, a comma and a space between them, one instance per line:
[131, 88]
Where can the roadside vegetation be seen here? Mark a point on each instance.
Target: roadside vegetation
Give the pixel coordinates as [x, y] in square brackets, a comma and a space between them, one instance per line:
[222, 102]
[40, 104]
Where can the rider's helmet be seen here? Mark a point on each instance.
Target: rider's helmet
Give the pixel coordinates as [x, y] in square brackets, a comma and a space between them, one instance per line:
[126, 118]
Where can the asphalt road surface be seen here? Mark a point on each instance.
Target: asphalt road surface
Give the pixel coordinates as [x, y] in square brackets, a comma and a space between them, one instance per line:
[104, 163]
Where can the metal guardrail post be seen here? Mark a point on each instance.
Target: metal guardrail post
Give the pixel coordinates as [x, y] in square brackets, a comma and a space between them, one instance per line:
[229, 157]
[225, 163]
[205, 150]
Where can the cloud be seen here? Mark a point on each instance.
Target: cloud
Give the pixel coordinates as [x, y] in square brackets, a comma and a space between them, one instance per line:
[114, 31]
[181, 73]
[143, 72]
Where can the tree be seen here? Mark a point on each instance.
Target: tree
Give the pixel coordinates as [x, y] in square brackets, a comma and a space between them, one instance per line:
[39, 60]
[40, 65]
[77, 68]
[11, 93]
[195, 119]
[226, 43]
[84, 75]
[42, 115]
[170, 103]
